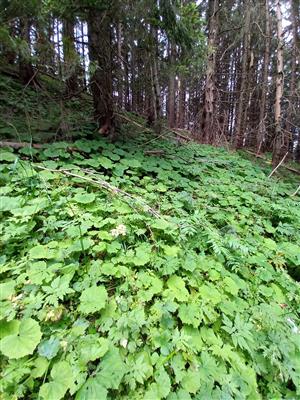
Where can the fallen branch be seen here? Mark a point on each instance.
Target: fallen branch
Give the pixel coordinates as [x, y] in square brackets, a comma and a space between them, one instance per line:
[107, 186]
[296, 171]
[187, 138]
[19, 145]
[278, 165]
[154, 152]
[175, 131]
[134, 122]
[297, 190]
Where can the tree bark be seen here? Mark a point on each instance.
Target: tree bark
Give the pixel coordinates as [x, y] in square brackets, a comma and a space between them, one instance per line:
[207, 118]
[261, 132]
[280, 140]
[26, 71]
[99, 37]
[294, 97]
[241, 113]
[70, 57]
[154, 75]
[181, 103]
[171, 91]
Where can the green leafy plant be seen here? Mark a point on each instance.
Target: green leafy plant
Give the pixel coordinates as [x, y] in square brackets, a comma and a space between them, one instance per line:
[172, 279]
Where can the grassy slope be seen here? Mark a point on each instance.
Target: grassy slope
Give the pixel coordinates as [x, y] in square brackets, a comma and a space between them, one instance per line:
[196, 303]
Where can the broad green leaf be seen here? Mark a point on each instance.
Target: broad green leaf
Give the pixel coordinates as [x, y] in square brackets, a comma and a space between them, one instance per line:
[7, 289]
[93, 299]
[62, 379]
[230, 286]
[105, 162]
[23, 341]
[8, 328]
[163, 383]
[42, 252]
[84, 198]
[176, 289]
[92, 389]
[92, 347]
[142, 255]
[179, 395]
[112, 369]
[49, 348]
[40, 367]
[7, 156]
[9, 203]
[191, 314]
[191, 381]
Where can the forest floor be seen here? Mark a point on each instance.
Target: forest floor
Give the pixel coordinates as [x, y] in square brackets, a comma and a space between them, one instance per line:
[132, 275]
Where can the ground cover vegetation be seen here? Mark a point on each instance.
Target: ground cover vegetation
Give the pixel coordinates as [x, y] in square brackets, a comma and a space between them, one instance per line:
[139, 276]
[137, 261]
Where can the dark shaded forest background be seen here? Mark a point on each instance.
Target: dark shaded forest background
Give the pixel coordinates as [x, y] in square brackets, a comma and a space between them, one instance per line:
[228, 71]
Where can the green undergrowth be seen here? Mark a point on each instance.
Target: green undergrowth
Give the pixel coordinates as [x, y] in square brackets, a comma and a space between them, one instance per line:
[147, 277]
[41, 114]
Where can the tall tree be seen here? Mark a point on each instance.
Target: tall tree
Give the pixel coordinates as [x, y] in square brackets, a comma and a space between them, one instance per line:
[281, 139]
[171, 88]
[208, 113]
[261, 131]
[99, 36]
[70, 55]
[242, 102]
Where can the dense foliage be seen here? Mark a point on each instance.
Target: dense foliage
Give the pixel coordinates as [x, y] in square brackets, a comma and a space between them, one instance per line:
[147, 277]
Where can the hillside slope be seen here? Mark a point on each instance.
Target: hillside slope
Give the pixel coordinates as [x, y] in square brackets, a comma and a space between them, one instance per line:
[133, 276]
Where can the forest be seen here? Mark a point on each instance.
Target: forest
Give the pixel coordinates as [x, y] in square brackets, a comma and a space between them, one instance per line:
[149, 199]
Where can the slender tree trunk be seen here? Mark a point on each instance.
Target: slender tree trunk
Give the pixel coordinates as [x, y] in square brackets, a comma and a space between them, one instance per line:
[26, 71]
[261, 132]
[99, 36]
[280, 141]
[241, 112]
[294, 97]
[181, 103]
[83, 55]
[120, 66]
[154, 75]
[171, 91]
[207, 118]
[70, 57]
[126, 83]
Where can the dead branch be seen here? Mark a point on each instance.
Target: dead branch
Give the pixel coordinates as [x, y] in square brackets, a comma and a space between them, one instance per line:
[134, 122]
[154, 152]
[107, 186]
[278, 165]
[296, 171]
[297, 190]
[175, 131]
[19, 145]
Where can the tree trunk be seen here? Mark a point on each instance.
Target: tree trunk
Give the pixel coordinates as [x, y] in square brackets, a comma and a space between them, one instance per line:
[70, 57]
[26, 71]
[280, 141]
[171, 91]
[294, 97]
[261, 132]
[181, 103]
[241, 112]
[207, 118]
[120, 66]
[99, 37]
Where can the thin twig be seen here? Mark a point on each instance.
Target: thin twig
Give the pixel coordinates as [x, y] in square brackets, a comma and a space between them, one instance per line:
[297, 190]
[275, 169]
[107, 186]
